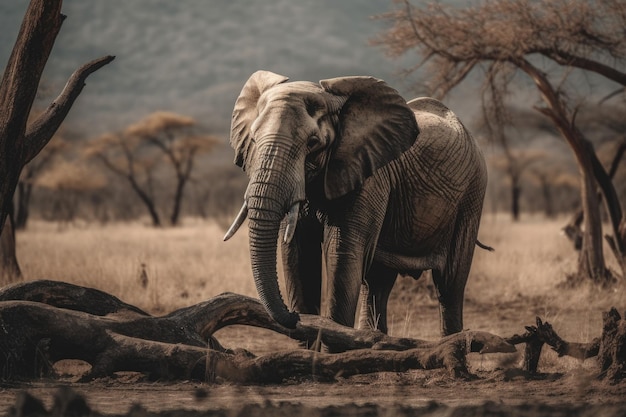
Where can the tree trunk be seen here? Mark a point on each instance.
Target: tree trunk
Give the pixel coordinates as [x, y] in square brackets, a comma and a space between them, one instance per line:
[178, 200]
[612, 348]
[547, 197]
[24, 191]
[10, 269]
[617, 242]
[147, 200]
[591, 257]
[516, 192]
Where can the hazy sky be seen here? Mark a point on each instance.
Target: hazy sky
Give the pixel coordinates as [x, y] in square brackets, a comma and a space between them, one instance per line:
[193, 56]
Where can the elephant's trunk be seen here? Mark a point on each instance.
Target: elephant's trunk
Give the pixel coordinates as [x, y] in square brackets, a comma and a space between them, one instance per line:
[263, 238]
[270, 195]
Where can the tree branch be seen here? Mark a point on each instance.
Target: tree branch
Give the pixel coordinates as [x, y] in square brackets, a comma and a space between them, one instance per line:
[40, 27]
[566, 59]
[44, 127]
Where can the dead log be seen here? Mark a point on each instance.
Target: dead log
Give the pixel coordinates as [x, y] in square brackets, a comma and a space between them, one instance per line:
[207, 317]
[74, 297]
[189, 362]
[34, 335]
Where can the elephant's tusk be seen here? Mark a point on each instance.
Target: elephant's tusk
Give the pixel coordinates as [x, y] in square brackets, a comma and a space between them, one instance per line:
[292, 220]
[243, 213]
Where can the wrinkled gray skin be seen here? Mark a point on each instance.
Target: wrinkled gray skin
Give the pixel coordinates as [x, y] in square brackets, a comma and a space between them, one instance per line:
[376, 199]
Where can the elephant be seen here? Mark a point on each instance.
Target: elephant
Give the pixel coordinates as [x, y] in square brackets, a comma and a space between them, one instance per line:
[359, 186]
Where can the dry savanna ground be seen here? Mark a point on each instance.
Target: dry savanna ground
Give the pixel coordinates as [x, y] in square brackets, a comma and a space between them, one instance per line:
[191, 263]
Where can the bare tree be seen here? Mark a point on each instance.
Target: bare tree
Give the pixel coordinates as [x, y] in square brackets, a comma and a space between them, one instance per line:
[160, 139]
[21, 141]
[503, 38]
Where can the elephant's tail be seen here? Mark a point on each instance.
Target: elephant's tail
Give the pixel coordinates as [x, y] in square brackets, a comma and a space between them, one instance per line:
[483, 246]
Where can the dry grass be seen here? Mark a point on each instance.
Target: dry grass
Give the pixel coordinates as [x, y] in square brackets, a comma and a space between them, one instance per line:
[184, 265]
[191, 263]
[531, 260]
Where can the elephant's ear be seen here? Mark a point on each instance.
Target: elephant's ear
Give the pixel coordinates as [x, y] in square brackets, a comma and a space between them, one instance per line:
[246, 112]
[375, 127]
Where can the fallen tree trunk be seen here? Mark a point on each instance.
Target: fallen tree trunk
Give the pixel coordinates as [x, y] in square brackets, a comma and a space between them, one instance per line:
[73, 297]
[190, 362]
[55, 321]
[43, 322]
[207, 317]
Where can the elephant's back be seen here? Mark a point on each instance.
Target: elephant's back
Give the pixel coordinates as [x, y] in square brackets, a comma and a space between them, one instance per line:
[437, 123]
[443, 144]
[430, 105]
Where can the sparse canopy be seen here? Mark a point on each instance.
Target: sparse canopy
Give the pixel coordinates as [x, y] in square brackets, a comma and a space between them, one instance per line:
[497, 34]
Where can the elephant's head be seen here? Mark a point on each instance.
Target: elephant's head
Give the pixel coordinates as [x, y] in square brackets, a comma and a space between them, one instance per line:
[287, 134]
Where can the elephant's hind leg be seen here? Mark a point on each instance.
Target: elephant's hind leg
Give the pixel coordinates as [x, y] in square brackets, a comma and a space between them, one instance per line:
[450, 281]
[374, 296]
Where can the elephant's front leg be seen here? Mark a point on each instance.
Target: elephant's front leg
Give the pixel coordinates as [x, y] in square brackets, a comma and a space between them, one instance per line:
[375, 293]
[350, 239]
[302, 266]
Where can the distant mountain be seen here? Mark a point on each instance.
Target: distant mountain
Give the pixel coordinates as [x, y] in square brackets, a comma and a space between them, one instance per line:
[193, 56]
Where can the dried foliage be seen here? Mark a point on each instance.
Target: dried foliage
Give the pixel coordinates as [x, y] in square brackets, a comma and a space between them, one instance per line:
[497, 34]
[158, 122]
[71, 176]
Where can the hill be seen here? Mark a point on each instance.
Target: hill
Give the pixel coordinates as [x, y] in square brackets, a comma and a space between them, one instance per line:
[193, 56]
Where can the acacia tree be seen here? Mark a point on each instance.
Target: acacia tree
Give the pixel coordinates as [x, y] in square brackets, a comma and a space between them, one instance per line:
[160, 139]
[20, 140]
[503, 38]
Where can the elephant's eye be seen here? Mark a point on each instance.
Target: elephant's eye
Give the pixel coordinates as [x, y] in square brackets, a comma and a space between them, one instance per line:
[313, 144]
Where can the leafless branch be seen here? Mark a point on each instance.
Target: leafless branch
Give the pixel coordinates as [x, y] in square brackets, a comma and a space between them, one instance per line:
[41, 130]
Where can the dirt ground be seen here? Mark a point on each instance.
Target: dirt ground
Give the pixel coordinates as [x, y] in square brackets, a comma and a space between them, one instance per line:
[565, 387]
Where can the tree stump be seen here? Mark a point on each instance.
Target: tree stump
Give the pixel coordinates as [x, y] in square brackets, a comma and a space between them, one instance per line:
[612, 347]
